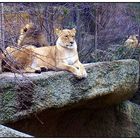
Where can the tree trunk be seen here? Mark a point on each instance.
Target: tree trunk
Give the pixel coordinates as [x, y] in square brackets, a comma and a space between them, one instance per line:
[96, 30]
[2, 44]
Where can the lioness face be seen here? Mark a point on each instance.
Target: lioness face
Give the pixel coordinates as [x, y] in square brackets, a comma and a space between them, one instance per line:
[28, 29]
[132, 41]
[66, 38]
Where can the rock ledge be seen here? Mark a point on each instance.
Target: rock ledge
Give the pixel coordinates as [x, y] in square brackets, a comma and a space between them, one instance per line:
[107, 83]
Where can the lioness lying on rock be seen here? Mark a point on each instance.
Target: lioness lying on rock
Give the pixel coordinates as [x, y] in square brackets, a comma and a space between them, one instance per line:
[29, 35]
[62, 56]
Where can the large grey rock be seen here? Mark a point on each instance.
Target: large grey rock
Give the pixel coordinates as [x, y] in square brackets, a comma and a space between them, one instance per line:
[107, 83]
[121, 120]
[8, 132]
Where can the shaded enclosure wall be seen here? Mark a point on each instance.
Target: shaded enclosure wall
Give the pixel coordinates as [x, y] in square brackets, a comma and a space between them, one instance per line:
[99, 25]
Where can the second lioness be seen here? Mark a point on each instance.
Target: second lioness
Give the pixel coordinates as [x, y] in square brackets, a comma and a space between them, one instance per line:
[32, 35]
[63, 56]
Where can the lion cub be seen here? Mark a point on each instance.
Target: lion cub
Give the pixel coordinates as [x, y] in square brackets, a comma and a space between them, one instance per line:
[63, 56]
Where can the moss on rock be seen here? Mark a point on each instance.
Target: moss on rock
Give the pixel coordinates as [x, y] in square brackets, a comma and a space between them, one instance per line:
[107, 83]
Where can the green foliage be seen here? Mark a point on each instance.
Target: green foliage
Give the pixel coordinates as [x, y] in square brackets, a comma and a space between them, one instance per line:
[116, 52]
[71, 24]
[65, 11]
[8, 96]
[135, 8]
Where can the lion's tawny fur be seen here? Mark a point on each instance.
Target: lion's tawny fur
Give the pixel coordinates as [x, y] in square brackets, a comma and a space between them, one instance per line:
[31, 35]
[132, 42]
[62, 56]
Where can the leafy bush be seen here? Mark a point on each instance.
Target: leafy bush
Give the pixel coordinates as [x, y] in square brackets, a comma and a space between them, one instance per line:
[116, 52]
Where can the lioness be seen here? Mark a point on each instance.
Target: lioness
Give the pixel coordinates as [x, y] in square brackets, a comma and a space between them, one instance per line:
[63, 56]
[132, 42]
[17, 58]
[31, 35]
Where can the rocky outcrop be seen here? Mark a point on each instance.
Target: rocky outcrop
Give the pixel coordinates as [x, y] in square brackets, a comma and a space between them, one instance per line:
[8, 132]
[107, 83]
[122, 120]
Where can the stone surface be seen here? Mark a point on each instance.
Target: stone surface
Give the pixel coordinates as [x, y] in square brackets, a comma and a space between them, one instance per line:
[121, 120]
[8, 132]
[107, 83]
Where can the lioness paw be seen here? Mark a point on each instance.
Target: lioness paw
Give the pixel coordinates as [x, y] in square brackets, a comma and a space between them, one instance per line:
[84, 74]
[81, 75]
[38, 71]
[43, 69]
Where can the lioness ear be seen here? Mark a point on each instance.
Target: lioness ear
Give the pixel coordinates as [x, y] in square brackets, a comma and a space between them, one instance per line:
[57, 31]
[74, 30]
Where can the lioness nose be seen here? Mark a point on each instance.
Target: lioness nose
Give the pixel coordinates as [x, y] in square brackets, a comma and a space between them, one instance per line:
[71, 42]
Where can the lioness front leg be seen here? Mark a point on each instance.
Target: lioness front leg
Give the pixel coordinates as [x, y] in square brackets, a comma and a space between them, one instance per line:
[71, 69]
[81, 68]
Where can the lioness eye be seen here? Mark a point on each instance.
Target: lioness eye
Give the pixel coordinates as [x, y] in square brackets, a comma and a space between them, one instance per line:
[66, 36]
